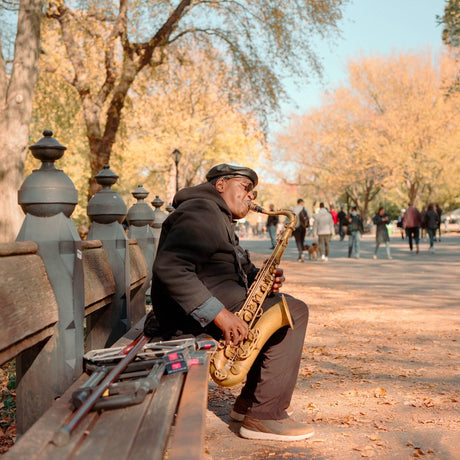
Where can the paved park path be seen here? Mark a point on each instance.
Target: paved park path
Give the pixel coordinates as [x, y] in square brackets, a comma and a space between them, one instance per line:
[380, 373]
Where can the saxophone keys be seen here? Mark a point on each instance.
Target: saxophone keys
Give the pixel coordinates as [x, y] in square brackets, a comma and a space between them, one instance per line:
[230, 352]
[244, 351]
[219, 375]
[234, 370]
[247, 316]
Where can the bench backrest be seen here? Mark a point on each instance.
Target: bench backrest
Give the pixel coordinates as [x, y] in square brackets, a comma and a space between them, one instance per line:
[27, 304]
[29, 316]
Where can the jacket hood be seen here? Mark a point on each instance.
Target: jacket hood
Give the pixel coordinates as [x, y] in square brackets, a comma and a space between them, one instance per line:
[205, 191]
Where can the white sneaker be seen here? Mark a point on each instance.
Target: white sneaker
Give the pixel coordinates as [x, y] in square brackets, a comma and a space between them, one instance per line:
[326, 259]
[323, 257]
[375, 257]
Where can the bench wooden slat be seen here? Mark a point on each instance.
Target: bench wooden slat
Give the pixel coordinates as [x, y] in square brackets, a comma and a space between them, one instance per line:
[14, 350]
[188, 438]
[33, 443]
[28, 306]
[137, 266]
[17, 248]
[99, 283]
[113, 434]
[130, 433]
[157, 422]
[53, 452]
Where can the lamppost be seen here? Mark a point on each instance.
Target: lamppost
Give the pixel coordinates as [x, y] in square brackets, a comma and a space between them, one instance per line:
[177, 154]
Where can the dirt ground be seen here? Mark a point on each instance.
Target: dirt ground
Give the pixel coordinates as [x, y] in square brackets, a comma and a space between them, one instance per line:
[380, 372]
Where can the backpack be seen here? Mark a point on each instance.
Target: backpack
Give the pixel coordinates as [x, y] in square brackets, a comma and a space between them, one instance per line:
[303, 218]
[354, 224]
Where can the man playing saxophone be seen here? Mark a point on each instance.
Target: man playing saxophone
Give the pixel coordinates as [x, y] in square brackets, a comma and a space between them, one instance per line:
[201, 277]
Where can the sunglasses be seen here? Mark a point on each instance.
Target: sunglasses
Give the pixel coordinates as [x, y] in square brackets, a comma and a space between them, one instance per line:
[248, 188]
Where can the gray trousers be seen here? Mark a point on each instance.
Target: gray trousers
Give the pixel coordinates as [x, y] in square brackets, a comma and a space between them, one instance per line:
[323, 242]
[270, 383]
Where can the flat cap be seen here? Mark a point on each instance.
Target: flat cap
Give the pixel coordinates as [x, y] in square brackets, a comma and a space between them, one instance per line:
[225, 169]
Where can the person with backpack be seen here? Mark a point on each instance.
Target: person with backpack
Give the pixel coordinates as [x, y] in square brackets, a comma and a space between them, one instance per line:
[399, 224]
[323, 227]
[303, 222]
[432, 222]
[343, 223]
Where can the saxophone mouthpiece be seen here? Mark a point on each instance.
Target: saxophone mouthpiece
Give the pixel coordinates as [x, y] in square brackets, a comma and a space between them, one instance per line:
[253, 206]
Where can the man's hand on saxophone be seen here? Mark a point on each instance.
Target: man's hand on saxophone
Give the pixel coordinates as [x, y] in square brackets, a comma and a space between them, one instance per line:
[279, 280]
[233, 328]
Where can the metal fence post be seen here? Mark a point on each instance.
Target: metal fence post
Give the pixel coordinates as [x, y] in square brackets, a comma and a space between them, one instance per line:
[159, 217]
[140, 219]
[48, 198]
[107, 210]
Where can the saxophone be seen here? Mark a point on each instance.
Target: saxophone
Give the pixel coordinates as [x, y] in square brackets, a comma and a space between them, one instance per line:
[230, 364]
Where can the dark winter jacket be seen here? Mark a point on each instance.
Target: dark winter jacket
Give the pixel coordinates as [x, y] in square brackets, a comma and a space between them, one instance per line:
[196, 262]
[381, 234]
[431, 219]
[272, 220]
[342, 218]
[356, 224]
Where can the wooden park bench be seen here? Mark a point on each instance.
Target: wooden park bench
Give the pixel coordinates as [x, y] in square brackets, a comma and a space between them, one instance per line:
[61, 297]
[171, 419]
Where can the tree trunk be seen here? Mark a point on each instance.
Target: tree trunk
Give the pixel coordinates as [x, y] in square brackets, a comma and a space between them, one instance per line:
[413, 192]
[15, 111]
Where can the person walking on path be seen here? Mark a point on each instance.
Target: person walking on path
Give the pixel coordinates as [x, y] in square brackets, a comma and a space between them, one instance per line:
[422, 225]
[335, 219]
[303, 222]
[438, 210]
[400, 222]
[272, 225]
[411, 223]
[343, 222]
[323, 227]
[432, 222]
[381, 234]
[355, 230]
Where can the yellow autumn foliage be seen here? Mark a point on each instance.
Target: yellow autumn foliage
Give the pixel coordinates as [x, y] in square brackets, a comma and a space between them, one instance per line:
[390, 130]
